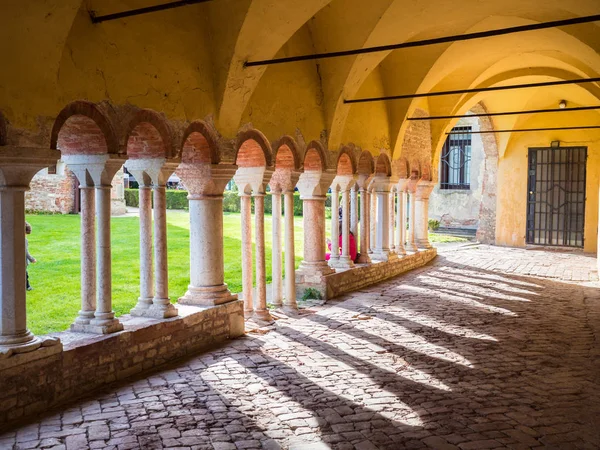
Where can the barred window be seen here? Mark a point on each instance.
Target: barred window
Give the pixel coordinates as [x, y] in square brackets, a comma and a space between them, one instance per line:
[456, 160]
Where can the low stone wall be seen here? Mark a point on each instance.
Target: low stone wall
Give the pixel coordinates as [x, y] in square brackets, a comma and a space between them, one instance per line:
[331, 286]
[33, 382]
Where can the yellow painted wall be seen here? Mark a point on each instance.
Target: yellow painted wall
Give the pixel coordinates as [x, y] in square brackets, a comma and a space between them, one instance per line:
[512, 176]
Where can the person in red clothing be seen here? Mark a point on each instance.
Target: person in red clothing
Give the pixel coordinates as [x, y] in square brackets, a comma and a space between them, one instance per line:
[353, 248]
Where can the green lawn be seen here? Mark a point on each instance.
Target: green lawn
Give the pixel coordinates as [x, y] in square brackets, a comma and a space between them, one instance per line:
[55, 300]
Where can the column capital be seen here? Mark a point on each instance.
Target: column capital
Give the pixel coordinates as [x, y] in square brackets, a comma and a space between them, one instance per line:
[344, 182]
[94, 170]
[283, 180]
[424, 189]
[363, 181]
[205, 179]
[18, 165]
[313, 185]
[381, 183]
[151, 170]
[402, 184]
[253, 179]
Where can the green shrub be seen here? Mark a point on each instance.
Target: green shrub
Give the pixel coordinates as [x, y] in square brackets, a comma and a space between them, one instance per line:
[132, 198]
[177, 199]
[231, 202]
[311, 293]
[433, 224]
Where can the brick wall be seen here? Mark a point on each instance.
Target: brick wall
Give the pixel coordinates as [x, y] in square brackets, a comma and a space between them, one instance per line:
[33, 382]
[346, 281]
[52, 192]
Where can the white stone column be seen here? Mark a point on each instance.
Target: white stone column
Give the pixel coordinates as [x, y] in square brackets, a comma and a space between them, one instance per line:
[276, 254]
[104, 320]
[354, 210]
[392, 219]
[313, 187]
[260, 307]
[335, 227]
[246, 212]
[364, 225]
[422, 193]
[205, 184]
[401, 218]
[372, 221]
[88, 255]
[146, 267]
[344, 261]
[97, 171]
[290, 254]
[410, 240]
[17, 168]
[381, 185]
[161, 303]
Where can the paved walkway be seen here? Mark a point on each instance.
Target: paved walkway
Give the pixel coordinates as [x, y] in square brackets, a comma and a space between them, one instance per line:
[458, 354]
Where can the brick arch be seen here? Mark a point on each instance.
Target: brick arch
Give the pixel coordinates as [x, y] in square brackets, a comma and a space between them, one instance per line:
[415, 169]
[346, 163]
[82, 127]
[148, 135]
[401, 168]
[383, 165]
[315, 158]
[2, 129]
[199, 144]
[290, 159]
[426, 173]
[366, 164]
[252, 149]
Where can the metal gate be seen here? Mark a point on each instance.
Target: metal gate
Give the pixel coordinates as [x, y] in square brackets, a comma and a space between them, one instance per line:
[556, 196]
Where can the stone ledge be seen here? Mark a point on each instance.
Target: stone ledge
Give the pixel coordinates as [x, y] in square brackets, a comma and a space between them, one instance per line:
[362, 275]
[33, 382]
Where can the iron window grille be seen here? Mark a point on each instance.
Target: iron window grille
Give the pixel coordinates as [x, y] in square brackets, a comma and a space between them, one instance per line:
[556, 196]
[456, 160]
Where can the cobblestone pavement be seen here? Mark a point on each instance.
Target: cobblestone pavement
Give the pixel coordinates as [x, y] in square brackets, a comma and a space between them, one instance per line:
[451, 356]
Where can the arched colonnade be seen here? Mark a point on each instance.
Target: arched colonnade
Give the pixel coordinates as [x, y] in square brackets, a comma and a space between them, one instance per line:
[373, 193]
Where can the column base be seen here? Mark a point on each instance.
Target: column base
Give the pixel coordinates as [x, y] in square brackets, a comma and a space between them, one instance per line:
[84, 317]
[103, 323]
[411, 248]
[207, 296]
[423, 243]
[312, 272]
[400, 251]
[364, 258]
[263, 315]
[141, 308]
[384, 255]
[24, 343]
[343, 262]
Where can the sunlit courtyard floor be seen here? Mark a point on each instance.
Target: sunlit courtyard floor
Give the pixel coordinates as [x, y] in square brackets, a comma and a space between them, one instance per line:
[466, 353]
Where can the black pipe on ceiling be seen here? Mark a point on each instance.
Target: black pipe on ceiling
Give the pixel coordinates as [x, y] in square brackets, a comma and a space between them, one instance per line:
[526, 130]
[474, 90]
[440, 40]
[509, 113]
[140, 11]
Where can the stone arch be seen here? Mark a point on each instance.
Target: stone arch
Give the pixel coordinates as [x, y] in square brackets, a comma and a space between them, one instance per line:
[383, 165]
[148, 135]
[82, 127]
[366, 164]
[346, 162]
[199, 144]
[286, 154]
[315, 158]
[252, 149]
